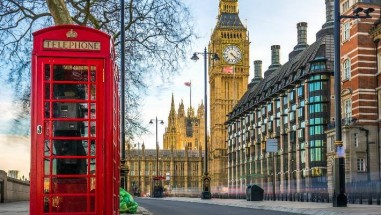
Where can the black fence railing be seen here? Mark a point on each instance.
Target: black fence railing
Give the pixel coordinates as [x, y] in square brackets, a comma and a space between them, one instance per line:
[361, 192]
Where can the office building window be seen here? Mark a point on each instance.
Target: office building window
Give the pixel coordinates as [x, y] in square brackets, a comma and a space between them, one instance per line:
[346, 31]
[345, 6]
[347, 69]
[348, 109]
[361, 165]
[356, 140]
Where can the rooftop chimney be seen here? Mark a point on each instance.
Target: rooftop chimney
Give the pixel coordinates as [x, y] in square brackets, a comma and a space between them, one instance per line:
[275, 55]
[302, 33]
[258, 69]
[275, 62]
[257, 73]
[302, 39]
[327, 28]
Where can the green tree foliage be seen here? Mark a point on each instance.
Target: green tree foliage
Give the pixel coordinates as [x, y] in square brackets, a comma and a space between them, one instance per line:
[158, 33]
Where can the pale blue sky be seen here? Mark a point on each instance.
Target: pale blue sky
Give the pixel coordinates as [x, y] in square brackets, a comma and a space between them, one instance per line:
[270, 22]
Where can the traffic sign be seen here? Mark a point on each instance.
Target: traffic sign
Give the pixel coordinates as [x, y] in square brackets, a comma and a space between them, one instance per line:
[271, 145]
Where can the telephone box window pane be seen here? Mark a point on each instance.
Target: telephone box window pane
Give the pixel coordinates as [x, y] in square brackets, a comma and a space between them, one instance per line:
[70, 73]
[70, 147]
[92, 148]
[69, 166]
[47, 72]
[69, 185]
[93, 166]
[47, 91]
[46, 204]
[84, 110]
[47, 109]
[47, 166]
[47, 148]
[92, 204]
[85, 130]
[67, 204]
[93, 129]
[70, 110]
[93, 92]
[93, 184]
[46, 185]
[93, 111]
[70, 91]
[93, 73]
[68, 128]
[47, 129]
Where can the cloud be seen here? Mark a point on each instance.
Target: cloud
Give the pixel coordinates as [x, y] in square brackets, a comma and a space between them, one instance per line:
[15, 154]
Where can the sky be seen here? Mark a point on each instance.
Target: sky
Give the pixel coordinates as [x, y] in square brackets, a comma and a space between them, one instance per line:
[269, 22]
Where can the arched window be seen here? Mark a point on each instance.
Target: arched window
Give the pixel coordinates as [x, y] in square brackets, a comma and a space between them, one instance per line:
[347, 69]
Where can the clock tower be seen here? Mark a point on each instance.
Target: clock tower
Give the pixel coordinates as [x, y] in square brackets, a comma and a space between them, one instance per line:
[228, 80]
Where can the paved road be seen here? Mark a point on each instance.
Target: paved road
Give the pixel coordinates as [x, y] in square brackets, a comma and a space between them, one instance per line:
[264, 207]
[159, 207]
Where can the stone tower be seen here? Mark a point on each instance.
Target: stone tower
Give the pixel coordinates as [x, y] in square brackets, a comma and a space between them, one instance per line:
[228, 80]
[184, 131]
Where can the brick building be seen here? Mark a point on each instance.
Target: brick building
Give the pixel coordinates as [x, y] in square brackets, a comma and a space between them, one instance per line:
[360, 95]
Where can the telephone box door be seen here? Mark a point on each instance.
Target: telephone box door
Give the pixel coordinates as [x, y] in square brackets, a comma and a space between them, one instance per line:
[69, 136]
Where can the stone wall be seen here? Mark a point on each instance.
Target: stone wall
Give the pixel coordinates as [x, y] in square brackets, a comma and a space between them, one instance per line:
[13, 189]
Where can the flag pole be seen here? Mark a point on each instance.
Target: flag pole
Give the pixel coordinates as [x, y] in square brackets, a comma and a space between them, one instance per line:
[190, 94]
[234, 86]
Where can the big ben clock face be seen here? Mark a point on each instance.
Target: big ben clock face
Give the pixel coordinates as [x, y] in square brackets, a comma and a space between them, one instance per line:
[232, 54]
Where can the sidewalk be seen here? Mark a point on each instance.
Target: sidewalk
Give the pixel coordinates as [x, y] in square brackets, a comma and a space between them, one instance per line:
[14, 208]
[22, 208]
[286, 206]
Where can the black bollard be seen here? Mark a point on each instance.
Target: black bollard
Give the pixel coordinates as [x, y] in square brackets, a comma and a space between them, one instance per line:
[370, 199]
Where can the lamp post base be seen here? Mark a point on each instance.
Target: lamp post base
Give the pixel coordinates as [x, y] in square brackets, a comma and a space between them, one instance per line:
[339, 197]
[340, 200]
[206, 195]
[206, 187]
[123, 174]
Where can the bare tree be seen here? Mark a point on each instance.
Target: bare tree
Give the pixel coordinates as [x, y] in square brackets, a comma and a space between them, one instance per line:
[158, 33]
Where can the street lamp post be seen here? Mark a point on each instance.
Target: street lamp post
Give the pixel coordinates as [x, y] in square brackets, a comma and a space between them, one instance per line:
[123, 169]
[139, 188]
[156, 182]
[339, 198]
[157, 143]
[205, 178]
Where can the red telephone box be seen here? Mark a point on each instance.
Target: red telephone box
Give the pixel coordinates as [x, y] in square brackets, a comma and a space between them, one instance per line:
[75, 160]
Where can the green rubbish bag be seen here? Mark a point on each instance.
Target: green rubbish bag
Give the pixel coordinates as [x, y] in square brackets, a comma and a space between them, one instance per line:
[127, 203]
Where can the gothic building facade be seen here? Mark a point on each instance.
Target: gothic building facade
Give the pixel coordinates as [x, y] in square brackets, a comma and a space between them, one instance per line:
[181, 170]
[179, 163]
[185, 129]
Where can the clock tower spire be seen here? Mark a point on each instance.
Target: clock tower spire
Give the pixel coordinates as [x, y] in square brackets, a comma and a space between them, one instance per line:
[228, 80]
[228, 6]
